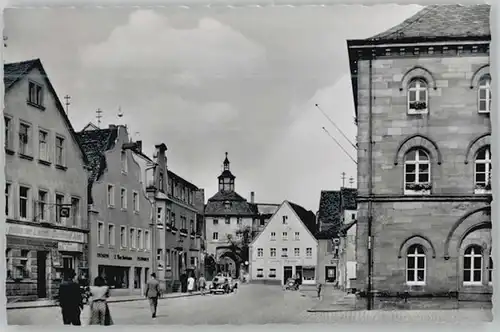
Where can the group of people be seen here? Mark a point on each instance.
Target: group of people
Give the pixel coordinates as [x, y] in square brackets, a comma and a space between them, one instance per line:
[71, 298]
[71, 301]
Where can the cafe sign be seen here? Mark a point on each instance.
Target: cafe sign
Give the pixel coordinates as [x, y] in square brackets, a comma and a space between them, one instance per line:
[70, 246]
[45, 233]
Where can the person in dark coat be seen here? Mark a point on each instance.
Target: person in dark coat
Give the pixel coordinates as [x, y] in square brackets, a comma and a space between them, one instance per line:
[70, 299]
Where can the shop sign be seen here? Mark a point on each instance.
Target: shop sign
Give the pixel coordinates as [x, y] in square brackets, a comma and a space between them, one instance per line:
[44, 233]
[123, 257]
[102, 255]
[143, 259]
[68, 246]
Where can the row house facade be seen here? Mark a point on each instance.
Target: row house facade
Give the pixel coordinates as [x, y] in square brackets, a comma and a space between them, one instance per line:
[45, 189]
[230, 219]
[336, 219]
[423, 100]
[119, 212]
[286, 247]
[178, 220]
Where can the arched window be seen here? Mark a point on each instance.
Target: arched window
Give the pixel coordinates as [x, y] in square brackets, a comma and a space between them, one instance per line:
[473, 265]
[417, 172]
[482, 170]
[484, 94]
[417, 96]
[415, 265]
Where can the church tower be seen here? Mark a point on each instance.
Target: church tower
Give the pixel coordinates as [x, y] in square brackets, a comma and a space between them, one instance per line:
[226, 179]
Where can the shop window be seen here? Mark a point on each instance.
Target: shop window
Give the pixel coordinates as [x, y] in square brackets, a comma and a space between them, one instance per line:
[308, 273]
[260, 273]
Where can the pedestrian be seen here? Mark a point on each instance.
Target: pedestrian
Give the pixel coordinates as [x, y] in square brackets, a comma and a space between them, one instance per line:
[70, 299]
[99, 309]
[318, 288]
[153, 293]
[190, 284]
[202, 284]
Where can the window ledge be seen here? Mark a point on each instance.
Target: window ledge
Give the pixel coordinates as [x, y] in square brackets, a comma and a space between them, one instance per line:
[25, 156]
[415, 283]
[473, 284]
[9, 151]
[111, 206]
[417, 192]
[417, 112]
[61, 167]
[44, 162]
[483, 112]
[40, 107]
[480, 191]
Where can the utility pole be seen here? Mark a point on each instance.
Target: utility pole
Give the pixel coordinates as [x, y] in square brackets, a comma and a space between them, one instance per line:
[98, 116]
[343, 179]
[67, 103]
[351, 181]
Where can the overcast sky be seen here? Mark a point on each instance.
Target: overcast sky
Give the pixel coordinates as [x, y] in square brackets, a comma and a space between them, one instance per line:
[207, 81]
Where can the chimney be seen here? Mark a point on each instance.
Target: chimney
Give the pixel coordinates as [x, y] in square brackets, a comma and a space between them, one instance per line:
[138, 146]
[112, 126]
[252, 197]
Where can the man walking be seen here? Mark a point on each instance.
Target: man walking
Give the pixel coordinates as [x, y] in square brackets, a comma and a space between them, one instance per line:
[70, 299]
[202, 284]
[153, 293]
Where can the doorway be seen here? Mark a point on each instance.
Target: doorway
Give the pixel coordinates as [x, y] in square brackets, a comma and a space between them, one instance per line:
[41, 264]
[287, 273]
[331, 273]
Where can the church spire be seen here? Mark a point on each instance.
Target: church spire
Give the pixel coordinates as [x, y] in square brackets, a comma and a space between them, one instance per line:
[226, 163]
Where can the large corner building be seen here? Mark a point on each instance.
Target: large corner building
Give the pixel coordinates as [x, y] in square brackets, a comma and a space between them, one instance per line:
[423, 100]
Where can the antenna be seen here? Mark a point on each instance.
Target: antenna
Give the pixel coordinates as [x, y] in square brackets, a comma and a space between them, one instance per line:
[67, 103]
[343, 179]
[333, 123]
[351, 181]
[120, 113]
[333, 138]
[98, 116]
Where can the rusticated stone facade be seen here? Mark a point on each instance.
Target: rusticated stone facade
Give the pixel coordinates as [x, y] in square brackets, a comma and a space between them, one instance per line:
[452, 215]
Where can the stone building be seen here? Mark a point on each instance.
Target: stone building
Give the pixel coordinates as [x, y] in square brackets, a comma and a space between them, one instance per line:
[46, 186]
[422, 99]
[231, 219]
[119, 212]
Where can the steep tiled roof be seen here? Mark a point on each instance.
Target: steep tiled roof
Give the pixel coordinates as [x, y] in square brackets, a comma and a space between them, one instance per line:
[181, 179]
[329, 208]
[95, 143]
[14, 72]
[348, 196]
[227, 174]
[238, 205]
[326, 234]
[307, 217]
[452, 20]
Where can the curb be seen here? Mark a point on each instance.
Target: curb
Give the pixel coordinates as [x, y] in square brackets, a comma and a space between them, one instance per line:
[116, 300]
[331, 310]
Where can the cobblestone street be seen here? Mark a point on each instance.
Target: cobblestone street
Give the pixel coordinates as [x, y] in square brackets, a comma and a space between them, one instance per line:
[253, 304]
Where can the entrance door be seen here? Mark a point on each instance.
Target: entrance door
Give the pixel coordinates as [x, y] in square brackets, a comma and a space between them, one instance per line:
[331, 273]
[287, 273]
[41, 261]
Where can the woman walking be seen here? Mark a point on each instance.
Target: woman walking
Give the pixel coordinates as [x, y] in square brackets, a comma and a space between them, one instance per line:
[99, 310]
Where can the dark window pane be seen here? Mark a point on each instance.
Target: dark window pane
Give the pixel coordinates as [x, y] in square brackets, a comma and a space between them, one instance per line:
[467, 262]
[421, 262]
[410, 262]
[477, 276]
[480, 177]
[491, 263]
[420, 275]
[423, 168]
[480, 168]
[423, 178]
[411, 155]
[423, 94]
[422, 155]
[410, 178]
[410, 168]
[482, 93]
[481, 154]
[467, 275]
[413, 96]
[420, 249]
[477, 263]
[411, 275]
[482, 105]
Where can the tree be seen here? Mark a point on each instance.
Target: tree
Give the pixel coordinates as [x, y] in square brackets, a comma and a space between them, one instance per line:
[240, 247]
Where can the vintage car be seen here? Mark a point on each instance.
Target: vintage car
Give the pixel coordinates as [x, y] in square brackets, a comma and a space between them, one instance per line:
[223, 285]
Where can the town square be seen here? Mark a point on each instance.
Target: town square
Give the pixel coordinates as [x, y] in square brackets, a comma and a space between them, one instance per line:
[190, 167]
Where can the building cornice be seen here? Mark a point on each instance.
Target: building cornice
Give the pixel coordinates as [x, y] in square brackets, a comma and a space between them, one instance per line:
[49, 225]
[425, 198]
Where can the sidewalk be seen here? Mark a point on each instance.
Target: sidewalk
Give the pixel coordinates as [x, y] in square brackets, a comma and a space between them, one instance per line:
[112, 299]
[334, 300]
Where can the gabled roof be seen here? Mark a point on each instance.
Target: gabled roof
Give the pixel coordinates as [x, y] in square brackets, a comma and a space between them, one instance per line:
[16, 71]
[216, 205]
[304, 216]
[438, 21]
[331, 207]
[95, 143]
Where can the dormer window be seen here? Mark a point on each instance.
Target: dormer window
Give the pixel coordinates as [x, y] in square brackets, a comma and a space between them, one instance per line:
[227, 205]
[417, 96]
[484, 94]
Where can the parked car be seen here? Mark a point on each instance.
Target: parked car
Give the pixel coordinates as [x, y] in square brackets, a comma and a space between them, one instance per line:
[223, 285]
